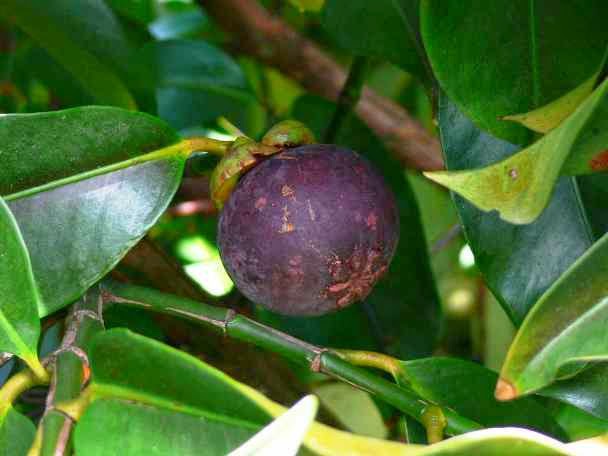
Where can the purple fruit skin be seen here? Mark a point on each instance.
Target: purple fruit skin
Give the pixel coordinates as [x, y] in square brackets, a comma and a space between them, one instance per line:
[309, 231]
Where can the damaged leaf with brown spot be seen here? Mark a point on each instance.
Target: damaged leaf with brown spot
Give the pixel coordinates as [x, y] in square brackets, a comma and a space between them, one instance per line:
[520, 187]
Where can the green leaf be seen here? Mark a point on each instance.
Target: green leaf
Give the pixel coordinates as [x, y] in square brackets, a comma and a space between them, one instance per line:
[559, 236]
[16, 434]
[520, 187]
[594, 194]
[200, 89]
[386, 29]
[134, 367]
[531, 54]
[546, 118]
[401, 317]
[308, 5]
[19, 323]
[85, 37]
[285, 434]
[577, 423]
[453, 383]
[77, 232]
[586, 390]
[130, 367]
[154, 432]
[565, 326]
[498, 442]
[353, 408]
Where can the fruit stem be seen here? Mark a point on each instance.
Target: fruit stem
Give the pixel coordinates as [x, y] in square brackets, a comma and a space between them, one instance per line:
[317, 358]
[182, 149]
[348, 98]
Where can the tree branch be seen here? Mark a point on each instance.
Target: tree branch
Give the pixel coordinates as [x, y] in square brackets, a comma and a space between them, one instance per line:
[257, 33]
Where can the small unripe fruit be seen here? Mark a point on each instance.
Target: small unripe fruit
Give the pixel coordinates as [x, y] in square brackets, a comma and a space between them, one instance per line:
[309, 230]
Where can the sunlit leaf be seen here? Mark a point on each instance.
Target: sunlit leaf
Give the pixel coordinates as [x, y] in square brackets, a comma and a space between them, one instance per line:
[566, 325]
[19, 300]
[520, 187]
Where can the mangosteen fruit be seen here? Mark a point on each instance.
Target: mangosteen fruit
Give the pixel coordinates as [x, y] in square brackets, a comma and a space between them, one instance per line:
[309, 230]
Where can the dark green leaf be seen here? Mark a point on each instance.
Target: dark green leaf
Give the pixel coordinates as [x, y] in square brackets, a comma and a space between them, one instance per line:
[565, 327]
[76, 233]
[594, 193]
[16, 434]
[200, 89]
[387, 29]
[502, 250]
[512, 56]
[153, 431]
[402, 314]
[468, 388]
[19, 300]
[138, 366]
[85, 37]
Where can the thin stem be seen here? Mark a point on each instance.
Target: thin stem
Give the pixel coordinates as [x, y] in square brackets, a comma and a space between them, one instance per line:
[317, 358]
[181, 149]
[37, 368]
[348, 98]
[70, 372]
[14, 386]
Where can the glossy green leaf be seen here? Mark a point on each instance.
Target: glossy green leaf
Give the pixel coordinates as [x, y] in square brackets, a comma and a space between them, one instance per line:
[200, 89]
[130, 367]
[400, 317]
[566, 325]
[19, 300]
[577, 423]
[468, 388]
[586, 390]
[386, 29]
[16, 434]
[285, 434]
[502, 250]
[520, 187]
[76, 233]
[85, 37]
[141, 11]
[155, 432]
[531, 54]
[137, 367]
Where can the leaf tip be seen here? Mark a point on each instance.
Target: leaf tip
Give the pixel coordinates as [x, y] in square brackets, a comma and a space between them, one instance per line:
[505, 391]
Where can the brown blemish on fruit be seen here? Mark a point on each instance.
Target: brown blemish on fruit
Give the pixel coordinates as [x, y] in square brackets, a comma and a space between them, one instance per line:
[505, 391]
[287, 191]
[513, 174]
[371, 221]
[600, 161]
[311, 212]
[286, 226]
[260, 203]
[355, 276]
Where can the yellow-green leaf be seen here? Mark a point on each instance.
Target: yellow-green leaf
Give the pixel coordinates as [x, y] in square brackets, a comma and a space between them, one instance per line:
[520, 187]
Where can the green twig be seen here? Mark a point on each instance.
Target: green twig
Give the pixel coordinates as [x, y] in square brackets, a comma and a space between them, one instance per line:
[70, 373]
[348, 98]
[319, 359]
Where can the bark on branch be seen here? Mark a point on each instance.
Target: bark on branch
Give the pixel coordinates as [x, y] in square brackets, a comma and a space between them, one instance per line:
[257, 33]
